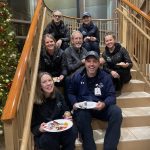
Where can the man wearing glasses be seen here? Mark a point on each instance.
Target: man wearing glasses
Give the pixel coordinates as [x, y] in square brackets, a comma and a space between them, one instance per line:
[58, 30]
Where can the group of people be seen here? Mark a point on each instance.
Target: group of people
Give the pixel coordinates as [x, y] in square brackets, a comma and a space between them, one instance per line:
[72, 61]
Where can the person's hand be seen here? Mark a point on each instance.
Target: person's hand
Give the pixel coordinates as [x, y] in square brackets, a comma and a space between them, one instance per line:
[92, 38]
[100, 105]
[123, 64]
[42, 127]
[58, 43]
[67, 115]
[86, 38]
[61, 77]
[102, 61]
[115, 74]
[83, 61]
[74, 107]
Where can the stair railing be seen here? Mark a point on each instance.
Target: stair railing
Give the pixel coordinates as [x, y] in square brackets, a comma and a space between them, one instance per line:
[137, 41]
[14, 112]
[143, 5]
[135, 14]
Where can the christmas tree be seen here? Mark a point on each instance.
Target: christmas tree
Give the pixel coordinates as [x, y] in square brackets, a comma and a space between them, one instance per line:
[8, 53]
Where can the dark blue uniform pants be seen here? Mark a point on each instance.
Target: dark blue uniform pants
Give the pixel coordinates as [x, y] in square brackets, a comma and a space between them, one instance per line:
[112, 114]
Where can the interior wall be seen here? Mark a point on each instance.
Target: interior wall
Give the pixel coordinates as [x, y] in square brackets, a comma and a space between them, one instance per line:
[97, 8]
[68, 7]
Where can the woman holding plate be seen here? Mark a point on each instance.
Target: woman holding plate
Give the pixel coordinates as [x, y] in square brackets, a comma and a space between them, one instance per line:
[117, 61]
[50, 105]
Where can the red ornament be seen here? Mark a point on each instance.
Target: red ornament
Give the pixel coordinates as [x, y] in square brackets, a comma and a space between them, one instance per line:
[9, 85]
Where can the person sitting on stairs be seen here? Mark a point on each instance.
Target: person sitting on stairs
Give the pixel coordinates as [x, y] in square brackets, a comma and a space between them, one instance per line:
[117, 61]
[50, 105]
[92, 84]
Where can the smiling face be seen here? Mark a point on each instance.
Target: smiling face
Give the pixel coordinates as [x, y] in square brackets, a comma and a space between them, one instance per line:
[49, 44]
[86, 20]
[91, 65]
[77, 40]
[47, 84]
[110, 41]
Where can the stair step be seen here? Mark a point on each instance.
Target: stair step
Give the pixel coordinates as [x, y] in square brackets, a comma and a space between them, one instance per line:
[133, 85]
[131, 138]
[137, 116]
[132, 117]
[133, 99]
[133, 73]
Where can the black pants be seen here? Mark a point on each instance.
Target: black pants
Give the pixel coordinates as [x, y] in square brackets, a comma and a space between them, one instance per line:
[112, 114]
[92, 46]
[125, 76]
[58, 140]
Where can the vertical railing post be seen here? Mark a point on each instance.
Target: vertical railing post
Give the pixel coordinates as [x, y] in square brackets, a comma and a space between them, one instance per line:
[124, 30]
[9, 135]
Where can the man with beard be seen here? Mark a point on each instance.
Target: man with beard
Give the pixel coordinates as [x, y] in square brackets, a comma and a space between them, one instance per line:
[58, 30]
[90, 33]
[75, 53]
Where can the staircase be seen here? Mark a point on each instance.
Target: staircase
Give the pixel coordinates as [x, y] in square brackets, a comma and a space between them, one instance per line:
[135, 131]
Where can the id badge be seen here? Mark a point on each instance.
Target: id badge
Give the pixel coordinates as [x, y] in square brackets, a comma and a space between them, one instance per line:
[97, 91]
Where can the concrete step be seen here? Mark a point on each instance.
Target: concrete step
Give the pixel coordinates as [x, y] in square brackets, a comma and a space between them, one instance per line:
[137, 138]
[133, 86]
[133, 99]
[132, 117]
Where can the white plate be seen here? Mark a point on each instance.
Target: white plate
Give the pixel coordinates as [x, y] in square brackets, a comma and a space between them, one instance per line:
[63, 124]
[86, 105]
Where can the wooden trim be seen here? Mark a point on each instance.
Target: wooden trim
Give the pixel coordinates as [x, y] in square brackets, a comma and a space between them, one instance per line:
[10, 108]
[136, 26]
[136, 9]
[26, 130]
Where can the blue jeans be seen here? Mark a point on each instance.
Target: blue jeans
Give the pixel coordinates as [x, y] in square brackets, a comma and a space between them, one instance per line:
[112, 114]
[92, 46]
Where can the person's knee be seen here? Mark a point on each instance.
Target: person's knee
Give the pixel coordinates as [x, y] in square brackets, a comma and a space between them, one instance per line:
[82, 116]
[48, 141]
[116, 113]
[87, 46]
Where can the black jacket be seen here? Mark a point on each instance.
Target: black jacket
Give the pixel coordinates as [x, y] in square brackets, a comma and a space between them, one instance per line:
[59, 32]
[55, 65]
[120, 54]
[51, 109]
[74, 58]
[90, 30]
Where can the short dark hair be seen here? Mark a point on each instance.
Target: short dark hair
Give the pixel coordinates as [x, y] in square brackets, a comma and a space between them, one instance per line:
[110, 33]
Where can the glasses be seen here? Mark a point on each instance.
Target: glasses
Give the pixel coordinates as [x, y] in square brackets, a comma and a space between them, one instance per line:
[57, 16]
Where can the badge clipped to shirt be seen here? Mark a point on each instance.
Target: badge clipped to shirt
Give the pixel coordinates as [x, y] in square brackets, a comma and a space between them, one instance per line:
[97, 91]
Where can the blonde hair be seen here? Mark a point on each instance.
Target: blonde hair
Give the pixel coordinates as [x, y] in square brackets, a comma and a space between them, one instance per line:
[47, 36]
[40, 94]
